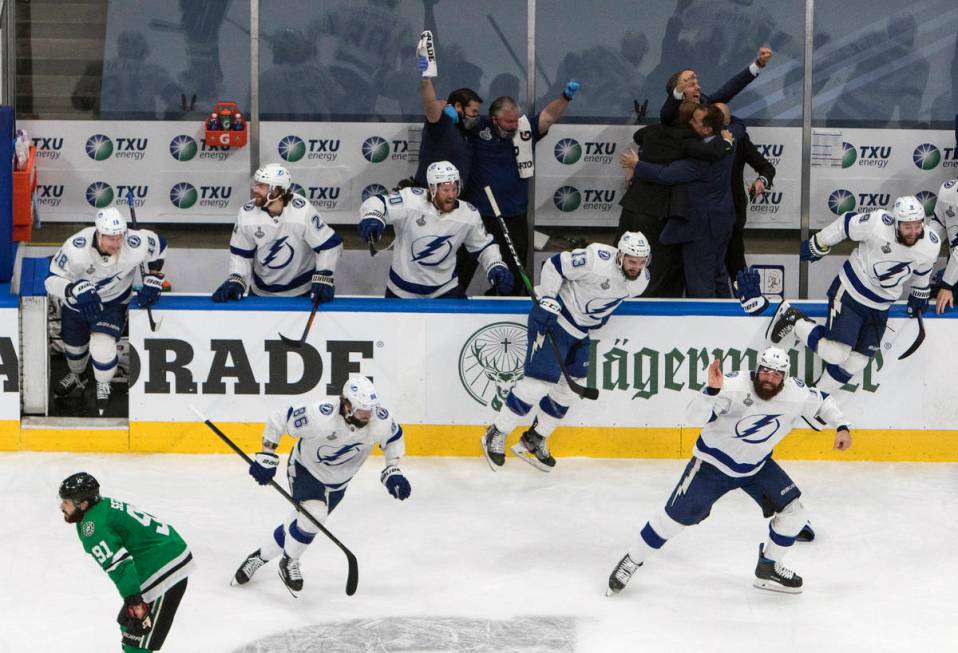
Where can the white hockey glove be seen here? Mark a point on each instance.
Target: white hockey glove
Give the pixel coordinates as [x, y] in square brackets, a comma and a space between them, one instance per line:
[426, 55]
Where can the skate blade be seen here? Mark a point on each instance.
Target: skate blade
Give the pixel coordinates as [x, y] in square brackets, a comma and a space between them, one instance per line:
[772, 586]
[485, 452]
[289, 589]
[526, 455]
[782, 307]
[611, 592]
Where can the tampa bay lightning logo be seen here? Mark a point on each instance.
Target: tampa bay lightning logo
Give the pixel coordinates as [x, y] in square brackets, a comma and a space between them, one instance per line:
[430, 250]
[326, 409]
[334, 456]
[134, 241]
[279, 255]
[756, 429]
[890, 273]
[601, 305]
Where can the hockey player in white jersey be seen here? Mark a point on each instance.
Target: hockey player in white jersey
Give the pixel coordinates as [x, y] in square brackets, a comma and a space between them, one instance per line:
[335, 438]
[578, 292]
[745, 414]
[893, 249]
[92, 273]
[945, 223]
[280, 245]
[430, 228]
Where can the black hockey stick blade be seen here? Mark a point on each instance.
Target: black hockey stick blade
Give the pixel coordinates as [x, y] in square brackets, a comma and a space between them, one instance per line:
[920, 338]
[296, 344]
[352, 575]
[372, 248]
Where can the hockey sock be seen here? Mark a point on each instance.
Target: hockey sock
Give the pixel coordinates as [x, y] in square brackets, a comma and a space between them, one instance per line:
[274, 547]
[77, 357]
[298, 538]
[653, 536]
[783, 528]
[519, 402]
[103, 352]
[809, 333]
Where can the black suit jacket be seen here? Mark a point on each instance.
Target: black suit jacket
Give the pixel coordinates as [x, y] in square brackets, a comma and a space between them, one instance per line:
[746, 152]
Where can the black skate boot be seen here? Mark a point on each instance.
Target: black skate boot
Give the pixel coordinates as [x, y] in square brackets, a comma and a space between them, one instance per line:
[289, 572]
[253, 562]
[773, 576]
[494, 447]
[533, 449]
[102, 397]
[68, 385]
[621, 575]
[783, 322]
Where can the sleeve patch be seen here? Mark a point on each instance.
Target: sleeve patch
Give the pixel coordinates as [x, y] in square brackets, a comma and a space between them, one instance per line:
[79, 242]
[298, 202]
[864, 217]
[326, 409]
[394, 198]
[887, 219]
[949, 183]
[933, 237]
[604, 255]
[731, 375]
[249, 206]
[133, 241]
[799, 382]
[417, 191]
[382, 413]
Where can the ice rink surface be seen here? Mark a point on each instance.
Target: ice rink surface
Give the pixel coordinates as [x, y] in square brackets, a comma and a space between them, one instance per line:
[515, 561]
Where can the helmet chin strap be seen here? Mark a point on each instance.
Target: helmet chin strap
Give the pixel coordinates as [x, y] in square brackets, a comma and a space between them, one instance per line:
[270, 198]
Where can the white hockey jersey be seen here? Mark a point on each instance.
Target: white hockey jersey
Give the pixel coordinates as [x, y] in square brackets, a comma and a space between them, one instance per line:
[742, 429]
[111, 275]
[880, 267]
[945, 224]
[589, 285]
[331, 449]
[282, 253]
[424, 257]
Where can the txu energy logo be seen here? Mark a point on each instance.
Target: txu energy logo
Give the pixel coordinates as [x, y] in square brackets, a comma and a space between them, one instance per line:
[926, 156]
[99, 147]
[491, 360]
[373, 189]
[375, 149]
[99, 194]
[841, 201]
[183, 195]
[567, 151]
[849, 154]
[567, 199]
[928, 201]
[292, 148]
[48, 147]
[183, 147]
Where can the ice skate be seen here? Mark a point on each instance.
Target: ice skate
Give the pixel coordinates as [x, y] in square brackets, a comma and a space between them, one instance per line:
[253, 562]
[783, 323]
[68, 385]
[773, 576]
[621, 575]
[533, 449]
[494, 447]
[289, 572]
[102, 396]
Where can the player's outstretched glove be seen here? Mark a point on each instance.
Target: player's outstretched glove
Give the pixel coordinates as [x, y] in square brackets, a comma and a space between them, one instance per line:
[570, 90]
[748, 289]
[150, 292]
[264, 467]
[501, 278]
[82, 296]
[371, 229]
[323, 289]
[812, 251]
[233, 288]
[396, 484]
[426, 55]
[544, 314]
[135, 615]
[918, 301]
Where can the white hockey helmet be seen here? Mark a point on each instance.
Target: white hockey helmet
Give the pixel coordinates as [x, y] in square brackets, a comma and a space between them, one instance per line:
[634, 243]
[110, 222]
[908, 209]
[774, 359]
[440, 172]
[273, 175]
[361, 394]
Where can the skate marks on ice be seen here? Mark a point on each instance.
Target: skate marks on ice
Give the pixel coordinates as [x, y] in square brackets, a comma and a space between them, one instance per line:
[414, 634]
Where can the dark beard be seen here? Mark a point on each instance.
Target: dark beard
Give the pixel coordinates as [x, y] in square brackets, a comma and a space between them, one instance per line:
[75, 517]
[354, 422]
[764, 394]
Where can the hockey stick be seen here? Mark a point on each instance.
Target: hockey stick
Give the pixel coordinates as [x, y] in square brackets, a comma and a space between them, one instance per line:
[154, 324]
[352, 578]
[582, 391]
[920, 338]
[289, 342]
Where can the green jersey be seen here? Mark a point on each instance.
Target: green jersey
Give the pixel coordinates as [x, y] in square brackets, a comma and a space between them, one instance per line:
[140, 553]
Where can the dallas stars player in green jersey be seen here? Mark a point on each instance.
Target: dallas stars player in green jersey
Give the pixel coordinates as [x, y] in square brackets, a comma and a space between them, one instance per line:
[145, 558]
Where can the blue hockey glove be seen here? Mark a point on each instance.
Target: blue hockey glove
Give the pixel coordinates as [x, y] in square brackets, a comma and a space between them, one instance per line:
[570, 90]
[371, 229]
[450, 111]
[918, 301]
[264, 467]
[396, 484]
[812, 251]
[544, 314]
[82, 296]
[233, 288]
[501, 278]
[748, 289]
[323, 286]
[150, 292]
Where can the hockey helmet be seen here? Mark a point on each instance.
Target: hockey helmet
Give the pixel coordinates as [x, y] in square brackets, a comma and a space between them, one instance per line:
[80, 487]
[634, 243]
[360, 393]
[440, 172]
[774, 359]
[109, 222]
[908, 209]
[273, 175]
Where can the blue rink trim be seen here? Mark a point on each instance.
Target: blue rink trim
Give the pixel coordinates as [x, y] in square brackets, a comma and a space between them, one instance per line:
[657, 307]
[6, 299]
